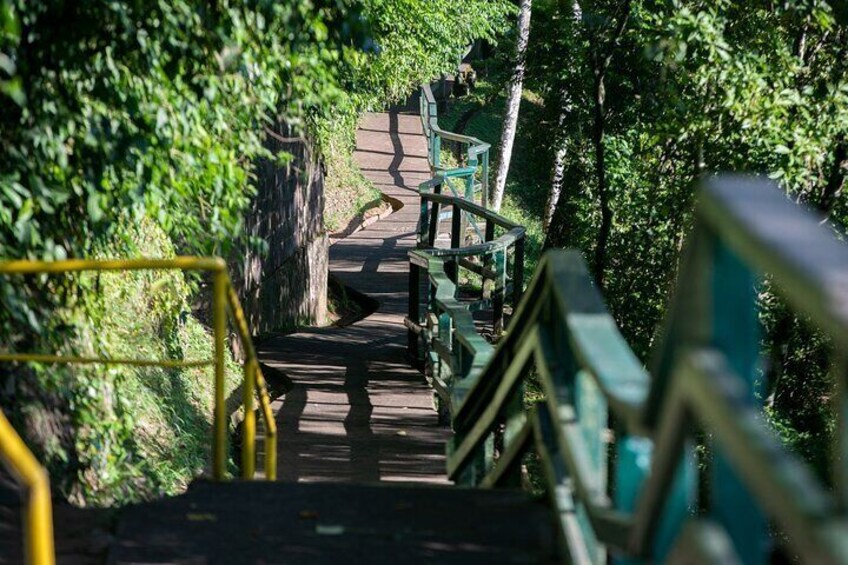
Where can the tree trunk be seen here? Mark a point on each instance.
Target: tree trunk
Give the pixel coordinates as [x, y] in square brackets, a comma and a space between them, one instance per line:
[601, 64]
[557, 176]
[562, 139]
[601, 173]
[512, 104]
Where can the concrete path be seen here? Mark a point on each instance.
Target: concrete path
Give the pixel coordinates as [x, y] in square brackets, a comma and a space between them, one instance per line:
[358, 411]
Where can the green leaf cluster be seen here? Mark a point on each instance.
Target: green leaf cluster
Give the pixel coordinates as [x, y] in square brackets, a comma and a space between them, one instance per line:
[695, 87]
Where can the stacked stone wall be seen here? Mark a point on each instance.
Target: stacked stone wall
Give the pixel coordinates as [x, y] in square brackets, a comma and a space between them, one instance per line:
[282, 273]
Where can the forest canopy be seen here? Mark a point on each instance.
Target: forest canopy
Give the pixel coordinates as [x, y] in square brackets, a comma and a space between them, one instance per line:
[641, 98]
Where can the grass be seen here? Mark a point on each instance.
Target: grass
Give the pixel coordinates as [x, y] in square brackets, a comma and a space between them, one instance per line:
[133, 433]
[347, 193]
[528, 178]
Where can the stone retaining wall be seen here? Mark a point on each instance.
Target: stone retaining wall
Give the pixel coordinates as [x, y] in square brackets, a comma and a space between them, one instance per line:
[286, 285]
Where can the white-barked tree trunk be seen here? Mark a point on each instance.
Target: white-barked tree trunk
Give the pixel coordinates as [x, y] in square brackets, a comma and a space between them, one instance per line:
[513, 103]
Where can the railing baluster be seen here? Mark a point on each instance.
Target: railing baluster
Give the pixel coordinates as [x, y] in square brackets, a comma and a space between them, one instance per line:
[839, 465]
[248, 446]
[414, 310]
[500, 293]
[219, 329]
[452, 267]
[517, 272]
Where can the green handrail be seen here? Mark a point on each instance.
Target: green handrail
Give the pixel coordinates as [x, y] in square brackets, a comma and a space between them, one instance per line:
[38, 540]
[498, 261]
[477, 151]
[642, 503]
[617, 443]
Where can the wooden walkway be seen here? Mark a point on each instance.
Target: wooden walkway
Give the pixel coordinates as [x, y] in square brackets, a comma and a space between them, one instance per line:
[357, 410]
[357, 413]
[297, 523]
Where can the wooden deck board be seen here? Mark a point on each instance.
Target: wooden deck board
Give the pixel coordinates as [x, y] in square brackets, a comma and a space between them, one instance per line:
[357, 411]
[267, 523]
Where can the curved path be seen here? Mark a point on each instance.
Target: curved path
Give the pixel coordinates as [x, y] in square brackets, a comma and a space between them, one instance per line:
[357, 410]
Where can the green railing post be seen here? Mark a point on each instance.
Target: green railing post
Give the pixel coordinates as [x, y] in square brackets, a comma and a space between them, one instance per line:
[839, 465]
[734, 330]
[515, 418]
[484, 180]
[500, 292]
[517, 272]
[469, 183]
[414, 310]
[433, 220]
[488, 282]
[452, 268]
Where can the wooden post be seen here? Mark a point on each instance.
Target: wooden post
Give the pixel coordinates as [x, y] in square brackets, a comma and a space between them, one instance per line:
[452, 268]
[517, 272]
[414, 310]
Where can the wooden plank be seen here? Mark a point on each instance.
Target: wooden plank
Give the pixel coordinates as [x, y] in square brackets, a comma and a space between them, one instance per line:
[243, 522]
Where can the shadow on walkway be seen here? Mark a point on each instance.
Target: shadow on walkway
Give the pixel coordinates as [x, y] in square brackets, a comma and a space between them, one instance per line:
[357, 411]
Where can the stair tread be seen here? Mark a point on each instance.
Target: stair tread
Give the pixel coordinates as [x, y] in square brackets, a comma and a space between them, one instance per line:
[259, 522]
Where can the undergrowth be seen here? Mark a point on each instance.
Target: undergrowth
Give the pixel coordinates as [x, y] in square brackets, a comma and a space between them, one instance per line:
[347, 193]
[527, 183]
[111, 435]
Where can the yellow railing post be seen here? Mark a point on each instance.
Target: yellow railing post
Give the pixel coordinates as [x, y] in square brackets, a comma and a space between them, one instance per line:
[270, 430]
[38, 514]
[219, 326]
[248, 444]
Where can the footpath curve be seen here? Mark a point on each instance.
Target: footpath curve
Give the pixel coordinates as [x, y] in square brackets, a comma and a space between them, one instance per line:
[357, 411]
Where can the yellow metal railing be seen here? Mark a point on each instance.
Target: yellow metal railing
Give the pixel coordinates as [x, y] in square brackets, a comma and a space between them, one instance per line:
[38, 527]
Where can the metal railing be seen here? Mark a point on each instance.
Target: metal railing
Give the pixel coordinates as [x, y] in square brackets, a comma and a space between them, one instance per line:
[482, 244]
[475, 168]
[617, 447]
[38, 529]
[623, 451]
[499, 263]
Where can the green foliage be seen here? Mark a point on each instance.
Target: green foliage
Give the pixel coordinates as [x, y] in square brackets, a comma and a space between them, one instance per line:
[527, 183]
[151, 108]
[132, 128]
[118, 434]
[412, 42]
[418, 40]
[346, 190]
[692, 87]
[147, 109]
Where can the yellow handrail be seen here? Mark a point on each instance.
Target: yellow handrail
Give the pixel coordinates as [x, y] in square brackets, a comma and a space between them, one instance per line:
[38, 517]
[38, 525]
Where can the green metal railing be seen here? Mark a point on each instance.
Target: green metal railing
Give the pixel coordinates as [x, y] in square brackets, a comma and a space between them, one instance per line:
[38, 525]
[498, 261]
[624, 451]
[482, 244]
[474, 154]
